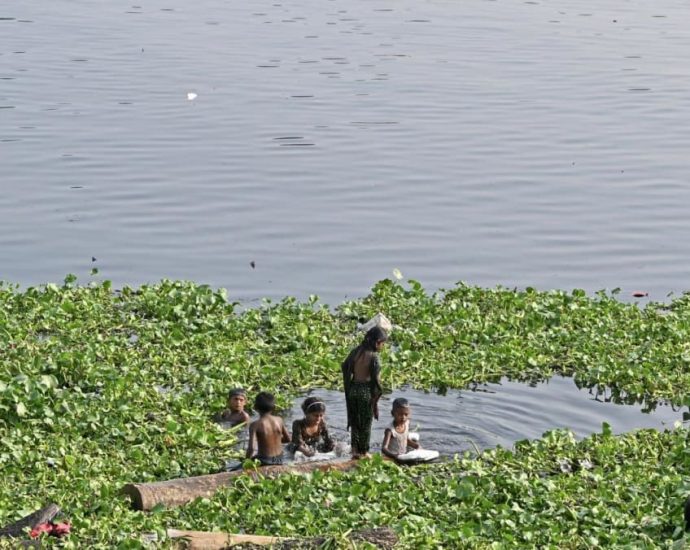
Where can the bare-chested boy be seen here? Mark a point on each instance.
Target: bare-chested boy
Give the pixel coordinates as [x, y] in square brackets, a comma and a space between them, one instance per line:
[235, 413]
[268, 433]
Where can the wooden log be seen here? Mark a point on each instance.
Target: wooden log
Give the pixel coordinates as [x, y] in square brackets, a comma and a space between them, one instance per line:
[380, 537]
[176, 492]
[201, 540]
[44, 515]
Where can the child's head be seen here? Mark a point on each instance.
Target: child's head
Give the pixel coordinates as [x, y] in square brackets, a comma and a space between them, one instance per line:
[401, 410]
[314, 409]
[375, 338]
[265, 403]
[237, 399]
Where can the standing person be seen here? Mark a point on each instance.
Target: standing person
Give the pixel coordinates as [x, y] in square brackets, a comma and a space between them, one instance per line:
[361, 377]
[268, 433]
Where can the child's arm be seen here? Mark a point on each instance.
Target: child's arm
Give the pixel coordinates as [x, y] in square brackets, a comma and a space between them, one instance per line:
[297, 440]
[252, 439]
[386, 441]
[414, 444]
[328, 443]
[284, 433]
[375, 373]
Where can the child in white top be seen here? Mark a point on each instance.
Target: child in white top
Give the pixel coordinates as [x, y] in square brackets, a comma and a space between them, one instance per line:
[396, 439]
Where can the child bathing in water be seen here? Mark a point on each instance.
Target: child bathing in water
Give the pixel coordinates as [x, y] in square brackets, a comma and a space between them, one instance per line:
[396, 438]
[235, 414]
[268, 433]
[310, 434]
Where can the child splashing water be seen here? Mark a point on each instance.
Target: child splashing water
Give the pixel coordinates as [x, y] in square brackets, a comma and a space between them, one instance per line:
[396, 438]
[310, 434]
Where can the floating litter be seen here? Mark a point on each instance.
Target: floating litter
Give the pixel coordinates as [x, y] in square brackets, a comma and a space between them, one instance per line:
[191, 96]
[418, 455]
[640, 294]
[397, 274]
[316, 457]
[378, 320]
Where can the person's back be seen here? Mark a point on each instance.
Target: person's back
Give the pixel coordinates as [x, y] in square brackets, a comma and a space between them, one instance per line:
[361, 372]
[268, 433]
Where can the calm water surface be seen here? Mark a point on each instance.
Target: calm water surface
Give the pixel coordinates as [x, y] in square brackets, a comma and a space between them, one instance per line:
[522, 143]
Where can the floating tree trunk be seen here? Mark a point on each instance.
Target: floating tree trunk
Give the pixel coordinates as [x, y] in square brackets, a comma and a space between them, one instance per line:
[381, 537]
[202, 540]
[44, 515]
[177, 492]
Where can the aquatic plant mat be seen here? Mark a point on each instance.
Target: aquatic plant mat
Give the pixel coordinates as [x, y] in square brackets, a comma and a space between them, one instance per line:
[101, 388]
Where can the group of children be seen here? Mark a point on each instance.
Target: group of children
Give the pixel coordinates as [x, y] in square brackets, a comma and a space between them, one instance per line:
[309, 434]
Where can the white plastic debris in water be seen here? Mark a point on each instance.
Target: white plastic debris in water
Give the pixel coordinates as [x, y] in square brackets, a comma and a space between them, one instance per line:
[397, 274]
[418, 455]
[378, 320]
[316, 457]
[191, 96]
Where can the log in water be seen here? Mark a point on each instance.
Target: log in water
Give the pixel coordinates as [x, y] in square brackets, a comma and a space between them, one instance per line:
[177, 492]
[202, 540]
[380, 537]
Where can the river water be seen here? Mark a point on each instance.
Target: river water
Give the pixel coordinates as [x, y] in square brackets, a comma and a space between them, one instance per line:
[330, 142]
[312, 147]
[496, 414]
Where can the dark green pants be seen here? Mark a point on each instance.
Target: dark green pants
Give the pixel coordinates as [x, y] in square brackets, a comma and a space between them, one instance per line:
[361, 416]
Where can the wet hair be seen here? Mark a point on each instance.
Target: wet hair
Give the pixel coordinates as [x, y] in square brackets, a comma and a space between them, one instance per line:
[313, 404]
[374, 335]
[400, 403]
[265, 402]
[237, 391]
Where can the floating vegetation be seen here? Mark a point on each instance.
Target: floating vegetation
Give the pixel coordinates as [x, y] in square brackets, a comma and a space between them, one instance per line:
[81, 411]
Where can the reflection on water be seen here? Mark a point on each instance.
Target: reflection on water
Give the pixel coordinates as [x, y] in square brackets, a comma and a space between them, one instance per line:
[498, 414]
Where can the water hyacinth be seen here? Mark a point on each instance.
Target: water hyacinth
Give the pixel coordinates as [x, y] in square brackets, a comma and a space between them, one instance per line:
[82, 413]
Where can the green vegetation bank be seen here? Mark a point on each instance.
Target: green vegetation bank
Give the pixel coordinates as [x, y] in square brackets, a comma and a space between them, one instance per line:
[100, 387]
